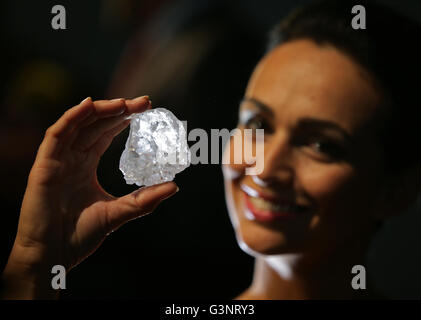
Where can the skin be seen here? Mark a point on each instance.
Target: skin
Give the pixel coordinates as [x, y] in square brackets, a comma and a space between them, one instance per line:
[346, 194]
[65, 213]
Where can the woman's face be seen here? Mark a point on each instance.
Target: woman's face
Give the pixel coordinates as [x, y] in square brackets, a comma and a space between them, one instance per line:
[320, 182]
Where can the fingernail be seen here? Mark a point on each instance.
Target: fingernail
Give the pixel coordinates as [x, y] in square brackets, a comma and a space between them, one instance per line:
[138, 99]
[118, 99]
[86, 99]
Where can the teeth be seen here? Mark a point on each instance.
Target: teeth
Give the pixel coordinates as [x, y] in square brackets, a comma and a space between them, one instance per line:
[268, 205]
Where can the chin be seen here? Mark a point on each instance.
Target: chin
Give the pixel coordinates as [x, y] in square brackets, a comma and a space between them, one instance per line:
[257, 240]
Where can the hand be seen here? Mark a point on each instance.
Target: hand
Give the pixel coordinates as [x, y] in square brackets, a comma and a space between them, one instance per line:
[65, 214]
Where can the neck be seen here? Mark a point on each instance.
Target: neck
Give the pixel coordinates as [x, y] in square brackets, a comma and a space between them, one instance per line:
[299, 276]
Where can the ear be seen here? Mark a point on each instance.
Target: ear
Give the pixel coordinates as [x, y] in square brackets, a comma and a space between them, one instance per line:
[398, 193]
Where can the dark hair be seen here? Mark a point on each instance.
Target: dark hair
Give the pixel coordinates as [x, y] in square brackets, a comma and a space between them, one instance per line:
[387, 48]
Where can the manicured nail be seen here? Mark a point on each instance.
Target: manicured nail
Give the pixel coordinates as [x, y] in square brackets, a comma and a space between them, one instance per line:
[139, 99]
[86, 99]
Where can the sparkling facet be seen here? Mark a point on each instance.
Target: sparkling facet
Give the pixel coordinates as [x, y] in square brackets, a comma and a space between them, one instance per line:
[156, 149]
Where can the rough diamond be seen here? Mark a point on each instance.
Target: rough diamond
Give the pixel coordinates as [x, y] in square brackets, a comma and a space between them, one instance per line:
[156, 149]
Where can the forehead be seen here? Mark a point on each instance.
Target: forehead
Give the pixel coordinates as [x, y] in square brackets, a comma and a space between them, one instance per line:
[303, 78]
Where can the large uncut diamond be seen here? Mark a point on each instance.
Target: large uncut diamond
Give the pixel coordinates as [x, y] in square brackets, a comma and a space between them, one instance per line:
[156, 149]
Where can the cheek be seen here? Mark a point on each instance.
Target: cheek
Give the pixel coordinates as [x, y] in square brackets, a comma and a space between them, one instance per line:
[232, 174]
[323, 181]
[234, 153]
[335, 189]
[342, 204]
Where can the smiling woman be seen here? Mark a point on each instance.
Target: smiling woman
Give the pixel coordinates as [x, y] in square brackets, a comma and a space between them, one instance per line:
[330, 100]
[339, 109]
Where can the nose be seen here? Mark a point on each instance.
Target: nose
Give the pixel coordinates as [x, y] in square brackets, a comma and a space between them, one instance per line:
[278, 165]
[277, 160]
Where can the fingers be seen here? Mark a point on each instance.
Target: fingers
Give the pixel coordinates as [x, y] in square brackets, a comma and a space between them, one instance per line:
[136, 204]
[71, 118]
[95, 129]
[103, 109]
[102, 144]
[90, 134]
[138, 104]
[109, 108]
[59, 131]
[87, 122]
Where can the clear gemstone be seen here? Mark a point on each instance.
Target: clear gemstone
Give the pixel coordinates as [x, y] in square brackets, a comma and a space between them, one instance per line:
[156, 149]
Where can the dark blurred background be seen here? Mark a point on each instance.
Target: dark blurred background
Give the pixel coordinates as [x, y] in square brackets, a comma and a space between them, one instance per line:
[194, 58]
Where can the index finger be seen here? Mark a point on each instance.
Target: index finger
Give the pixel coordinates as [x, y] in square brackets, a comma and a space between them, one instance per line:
[54, 135]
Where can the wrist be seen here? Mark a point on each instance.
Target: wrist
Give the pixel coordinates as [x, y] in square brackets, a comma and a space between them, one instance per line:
[27, 277]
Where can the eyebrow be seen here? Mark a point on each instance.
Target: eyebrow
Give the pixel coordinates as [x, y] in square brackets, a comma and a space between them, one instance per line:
[319, 124]
[304, 123]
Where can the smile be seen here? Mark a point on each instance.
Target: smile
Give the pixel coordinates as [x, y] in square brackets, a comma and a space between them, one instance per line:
[268, 208]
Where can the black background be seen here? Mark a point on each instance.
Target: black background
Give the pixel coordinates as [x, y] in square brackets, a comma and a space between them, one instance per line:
[186, 248]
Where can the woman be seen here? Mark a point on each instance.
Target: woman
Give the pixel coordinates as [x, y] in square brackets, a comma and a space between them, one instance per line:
[339, 118]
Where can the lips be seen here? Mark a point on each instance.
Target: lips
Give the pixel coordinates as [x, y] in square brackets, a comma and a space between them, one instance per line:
[268, 208]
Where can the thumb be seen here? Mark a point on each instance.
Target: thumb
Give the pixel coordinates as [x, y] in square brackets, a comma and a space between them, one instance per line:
[137, 204]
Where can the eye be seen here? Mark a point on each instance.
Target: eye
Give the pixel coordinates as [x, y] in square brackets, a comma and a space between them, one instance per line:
[322, 148]
[255, 122]
[252, 120]
[327, 148]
